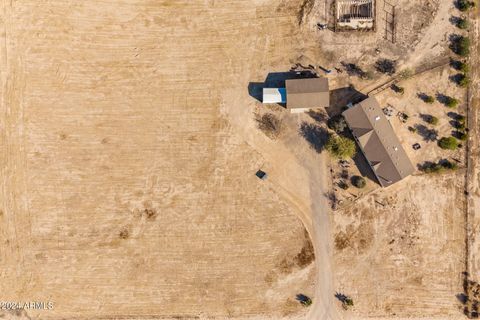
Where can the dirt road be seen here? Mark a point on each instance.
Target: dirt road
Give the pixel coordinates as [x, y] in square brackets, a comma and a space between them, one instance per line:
[473, 173]
[325, 306]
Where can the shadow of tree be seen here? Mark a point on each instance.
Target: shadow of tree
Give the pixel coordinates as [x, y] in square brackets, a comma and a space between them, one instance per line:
[443, 99]
[341, 297]
[340, 97]
[453, 115]
[426, 133]
[354, 70]
[454, 20]
[319, 116]
[425, 117]
[364, 167]
[315, 135]
[457, 78]
[470, 297]
[423, 96]
[332, 199]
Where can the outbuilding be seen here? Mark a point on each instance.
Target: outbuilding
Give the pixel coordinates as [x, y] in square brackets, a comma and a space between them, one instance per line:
[300, 95]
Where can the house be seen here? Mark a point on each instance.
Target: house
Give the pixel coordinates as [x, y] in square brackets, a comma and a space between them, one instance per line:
[378, 142]
[300, 95]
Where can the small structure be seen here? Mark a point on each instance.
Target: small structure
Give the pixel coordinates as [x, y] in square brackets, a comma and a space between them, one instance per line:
[306, 94]
[378, 142]
[355, 14]
[261, 175]
[274, 95]
[300, 95]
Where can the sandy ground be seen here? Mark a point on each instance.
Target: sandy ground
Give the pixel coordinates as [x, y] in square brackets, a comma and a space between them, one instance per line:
[130, 147]
[125, 191]
[402, 253]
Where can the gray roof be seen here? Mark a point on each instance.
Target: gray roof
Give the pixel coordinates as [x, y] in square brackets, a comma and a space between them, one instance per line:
[307, 93]
[378, 142]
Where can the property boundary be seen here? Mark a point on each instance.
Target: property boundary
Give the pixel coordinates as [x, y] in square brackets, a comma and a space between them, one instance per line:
[420, 70]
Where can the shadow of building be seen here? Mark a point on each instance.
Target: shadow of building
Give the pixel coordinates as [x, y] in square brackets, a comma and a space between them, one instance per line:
[277, 80]
[339, 98]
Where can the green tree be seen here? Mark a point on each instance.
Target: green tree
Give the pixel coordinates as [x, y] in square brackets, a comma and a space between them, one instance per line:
[459, 125]
[465, 5]
[463, 136]
[337, 123]
[429, 99]
[464, 67]
[439, 167]
[463, 23]
[461, 46]
[340, 147]
[432, 120]
[463, 80]
[448, 143]
[359, 182]
[451, 102]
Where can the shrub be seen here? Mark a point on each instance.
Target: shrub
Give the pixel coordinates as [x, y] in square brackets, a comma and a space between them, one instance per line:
[460, 118]
[368, 75]
[448, 143]
[461, 46]
[463, 80]
[448, 165]
[439, 167]
[406, 73]
[432, 120]
[337, 123]
[270, 124]
[343, 185]
[465, 5]
[340, 147]
[359, 182]
[386, 66]
[349, 302]
[397, 89]
[463, 23]
[433, 168]
[463, 136]
[459, 125]
[429, 99]
[412, 129]
[451, 102]
[462, 66]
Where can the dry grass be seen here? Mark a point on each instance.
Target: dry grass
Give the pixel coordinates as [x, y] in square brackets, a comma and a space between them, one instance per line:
[125, 191]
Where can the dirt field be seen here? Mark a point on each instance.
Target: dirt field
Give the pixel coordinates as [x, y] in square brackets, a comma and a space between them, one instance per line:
[125, 191]
[402, 253]
[130, 143]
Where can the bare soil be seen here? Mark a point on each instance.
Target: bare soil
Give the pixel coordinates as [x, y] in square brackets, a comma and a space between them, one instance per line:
[125, 191]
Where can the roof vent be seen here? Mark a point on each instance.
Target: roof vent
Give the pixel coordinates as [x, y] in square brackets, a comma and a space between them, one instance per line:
[395, 148]
[377, 118]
